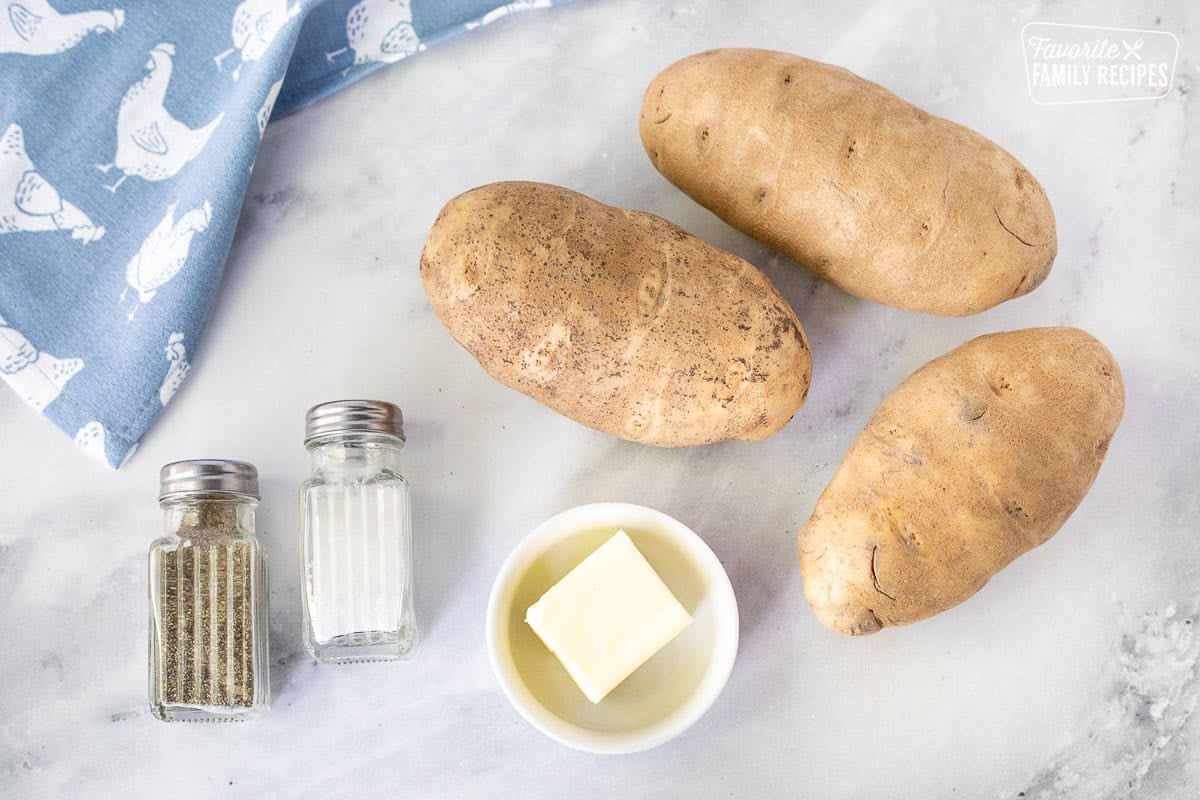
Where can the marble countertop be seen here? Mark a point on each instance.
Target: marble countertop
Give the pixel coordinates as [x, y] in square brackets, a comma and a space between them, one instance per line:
[1073, 674]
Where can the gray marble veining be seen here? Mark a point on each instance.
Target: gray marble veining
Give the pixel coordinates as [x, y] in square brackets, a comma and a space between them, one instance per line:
[1073, 675]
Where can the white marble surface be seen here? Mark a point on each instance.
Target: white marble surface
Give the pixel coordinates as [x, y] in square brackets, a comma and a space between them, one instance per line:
[1073, 674]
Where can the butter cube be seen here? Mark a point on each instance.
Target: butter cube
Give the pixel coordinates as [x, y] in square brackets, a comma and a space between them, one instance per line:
[607, 617]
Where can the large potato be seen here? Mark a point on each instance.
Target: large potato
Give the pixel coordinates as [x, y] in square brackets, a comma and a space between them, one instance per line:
[978, 457]
[870, 192]
[617, 319]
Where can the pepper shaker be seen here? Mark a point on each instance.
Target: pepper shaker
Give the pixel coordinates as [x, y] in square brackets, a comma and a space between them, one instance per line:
[356, 535]
[208, 596]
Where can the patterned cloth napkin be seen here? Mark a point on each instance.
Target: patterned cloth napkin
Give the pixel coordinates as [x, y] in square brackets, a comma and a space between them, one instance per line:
[127, 135]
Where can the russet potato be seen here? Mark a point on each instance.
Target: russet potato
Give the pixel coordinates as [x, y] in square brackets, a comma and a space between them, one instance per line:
[871, 193]
[617, 319]
[976, 458]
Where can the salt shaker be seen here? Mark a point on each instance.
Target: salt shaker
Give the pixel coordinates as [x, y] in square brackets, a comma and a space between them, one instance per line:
[208, 596]
[356, 535]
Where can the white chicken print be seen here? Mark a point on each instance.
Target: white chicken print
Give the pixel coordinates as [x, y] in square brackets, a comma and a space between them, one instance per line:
[163, 253]
[34, 28]
[37, 377]
[90, 439]
[256, 23]
[28, 202]
[151, 143]
[177, 357]
[268, 105]
[380, 30]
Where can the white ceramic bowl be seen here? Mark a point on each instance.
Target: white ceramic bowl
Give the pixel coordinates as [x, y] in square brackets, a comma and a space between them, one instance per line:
[665, 695]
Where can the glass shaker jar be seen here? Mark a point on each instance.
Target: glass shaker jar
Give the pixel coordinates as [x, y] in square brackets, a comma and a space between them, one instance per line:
[208, 596]
[356, 535]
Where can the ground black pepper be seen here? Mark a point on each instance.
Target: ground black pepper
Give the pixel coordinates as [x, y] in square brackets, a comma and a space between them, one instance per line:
[206, 600]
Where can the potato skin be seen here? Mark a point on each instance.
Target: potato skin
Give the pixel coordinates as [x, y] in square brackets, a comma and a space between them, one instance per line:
[976, 458]
[615, 318]
[871, 193]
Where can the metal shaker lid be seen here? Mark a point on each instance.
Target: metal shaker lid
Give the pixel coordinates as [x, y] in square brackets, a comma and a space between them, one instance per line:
[353, 416]
[208, 476]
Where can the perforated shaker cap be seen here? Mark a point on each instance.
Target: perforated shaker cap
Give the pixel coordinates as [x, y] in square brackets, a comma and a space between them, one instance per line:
[353, 416]
[208, 476]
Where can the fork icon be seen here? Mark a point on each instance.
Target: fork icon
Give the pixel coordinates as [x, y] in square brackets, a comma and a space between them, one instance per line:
[1132, 49]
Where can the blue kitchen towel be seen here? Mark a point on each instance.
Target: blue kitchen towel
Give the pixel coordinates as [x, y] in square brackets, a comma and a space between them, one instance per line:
[127, 134]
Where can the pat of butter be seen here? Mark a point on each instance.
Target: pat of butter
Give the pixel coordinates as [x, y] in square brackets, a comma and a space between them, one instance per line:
[607, 617]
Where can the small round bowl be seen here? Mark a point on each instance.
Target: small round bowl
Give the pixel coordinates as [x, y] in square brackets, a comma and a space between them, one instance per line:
[664, 696]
